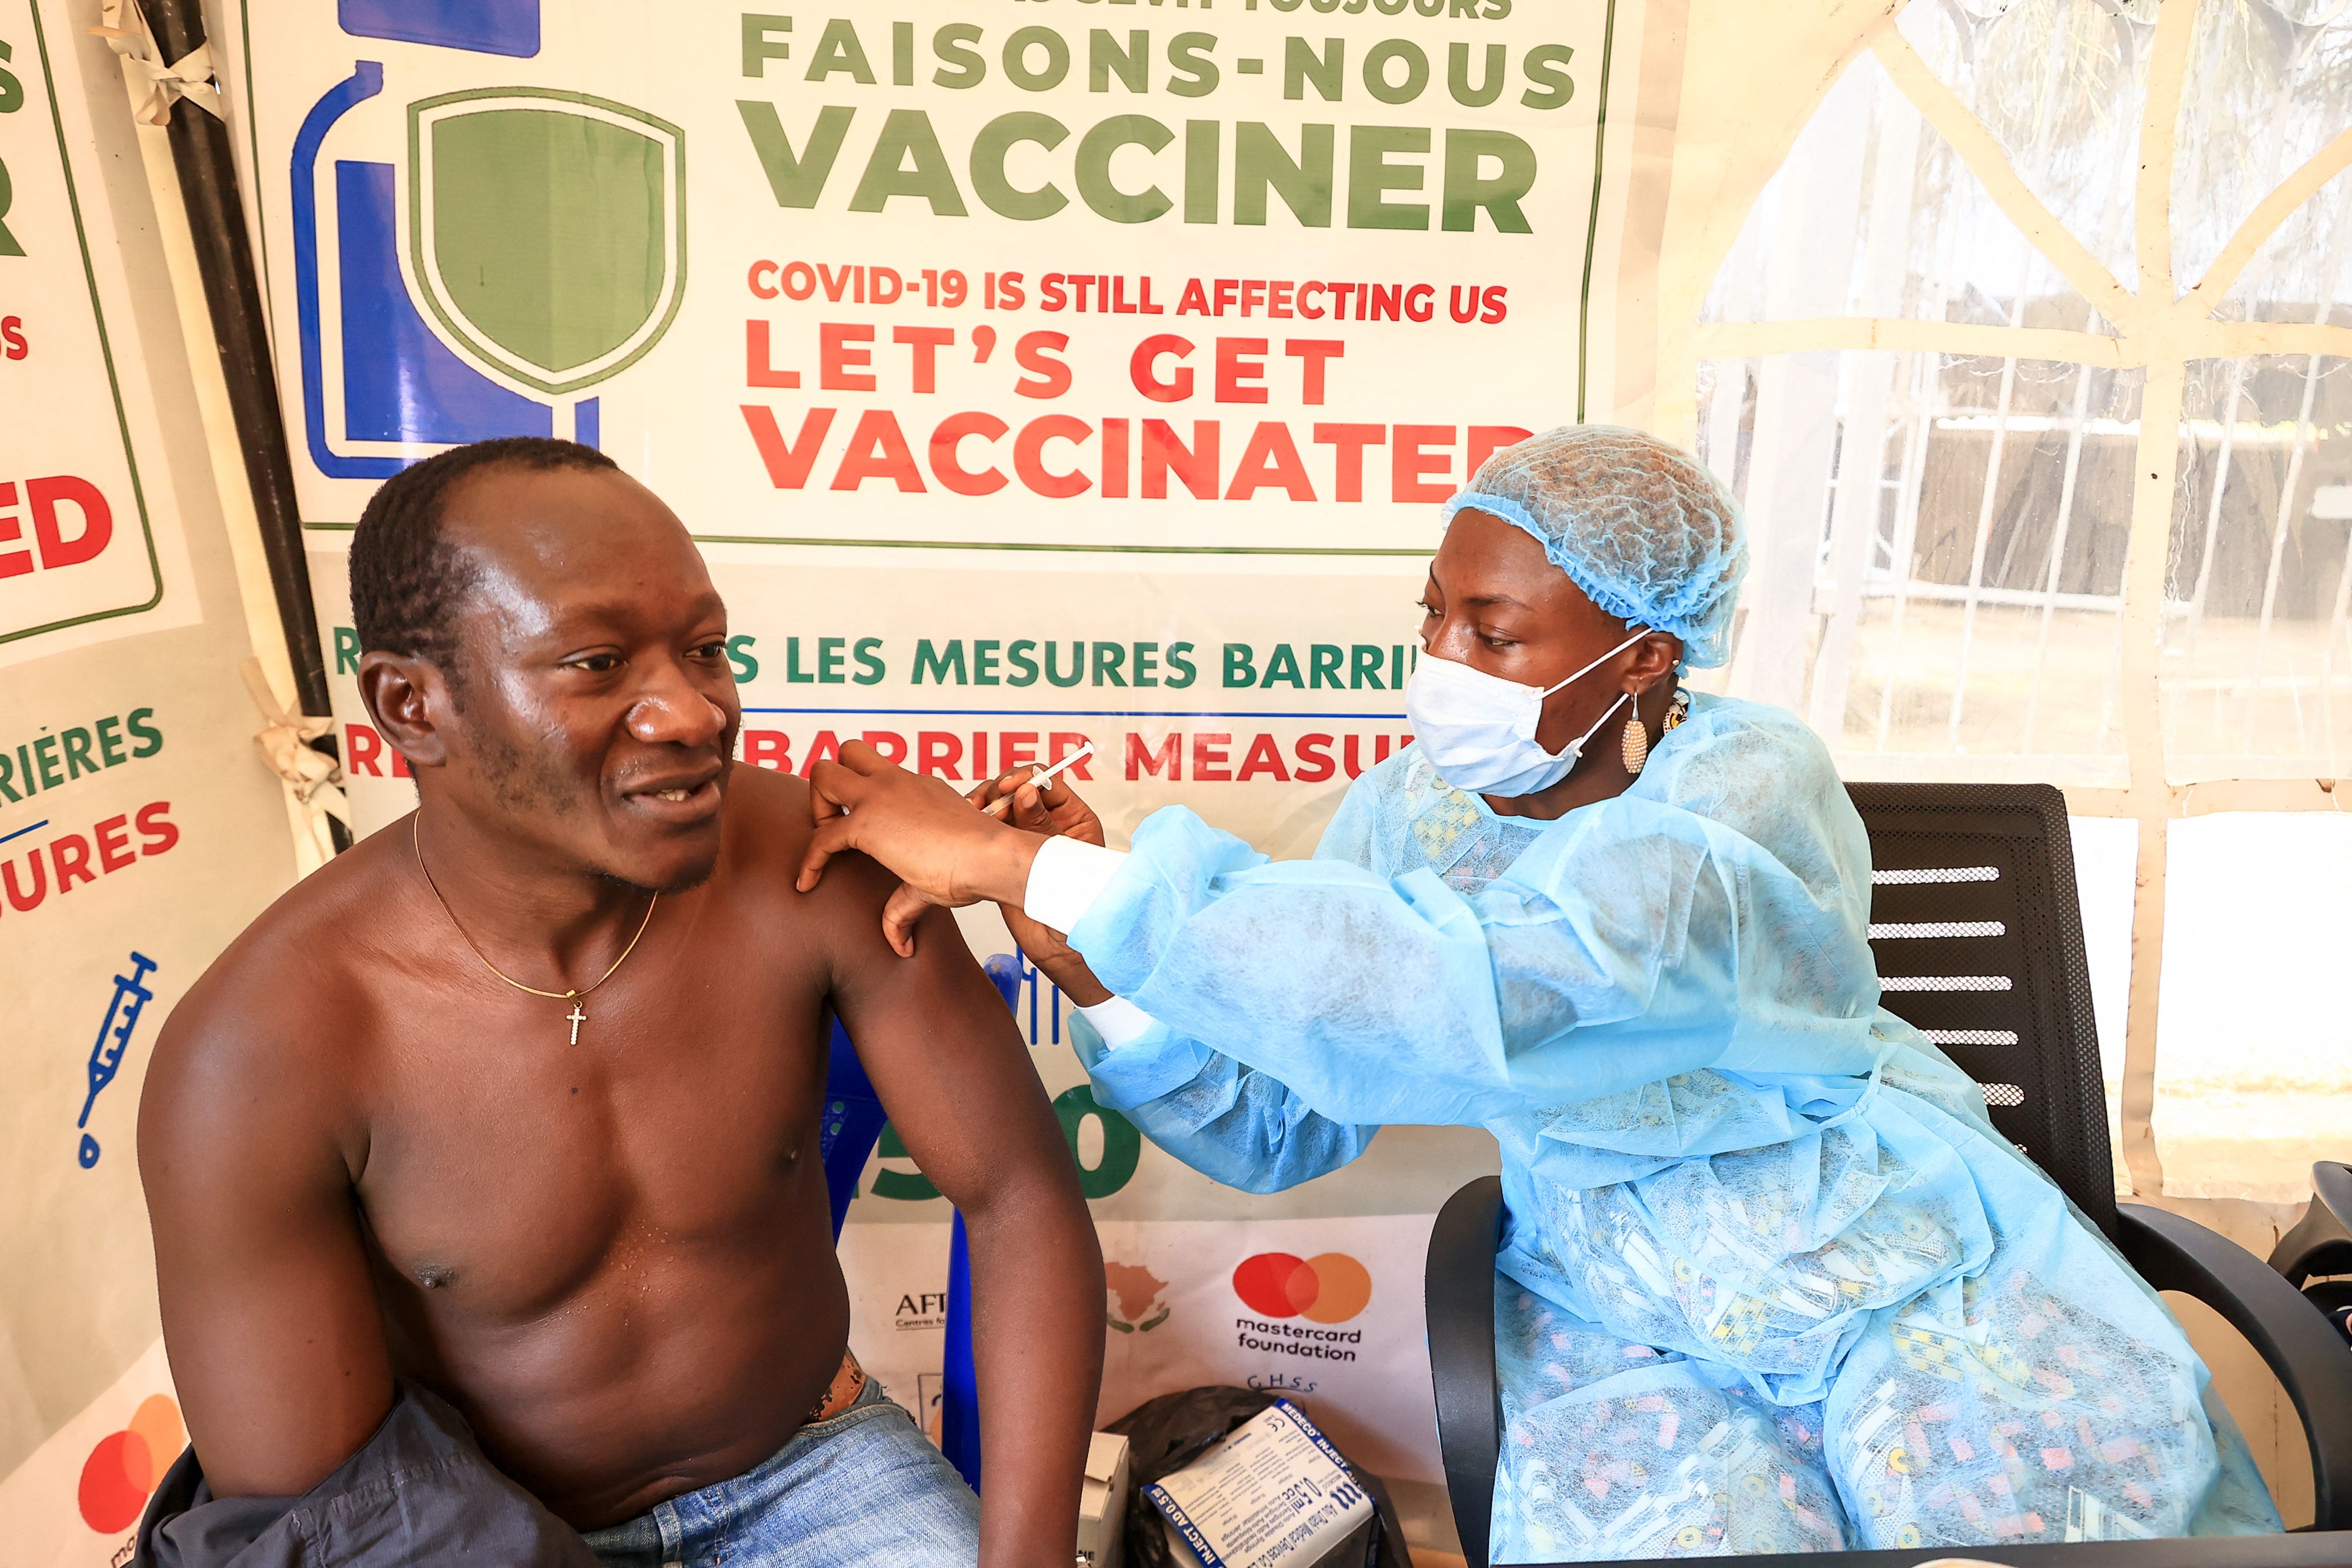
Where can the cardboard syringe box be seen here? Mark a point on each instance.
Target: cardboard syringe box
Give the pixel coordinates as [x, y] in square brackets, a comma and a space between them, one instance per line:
[1102, 1506]
[1271, 1493]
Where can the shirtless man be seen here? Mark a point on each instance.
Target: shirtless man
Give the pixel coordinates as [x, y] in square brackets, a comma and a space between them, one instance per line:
[596, 1224]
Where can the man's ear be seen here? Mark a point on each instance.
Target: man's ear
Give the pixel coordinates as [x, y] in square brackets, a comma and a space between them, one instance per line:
[408, 699]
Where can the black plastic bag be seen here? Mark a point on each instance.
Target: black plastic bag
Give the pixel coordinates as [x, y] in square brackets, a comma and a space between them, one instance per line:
[1166, 1434]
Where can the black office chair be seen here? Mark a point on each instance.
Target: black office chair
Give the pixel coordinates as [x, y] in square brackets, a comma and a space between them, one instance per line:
[1978, 938]
[2322, 1246]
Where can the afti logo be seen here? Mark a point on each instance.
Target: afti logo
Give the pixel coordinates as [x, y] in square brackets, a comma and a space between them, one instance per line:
[1329, 1288]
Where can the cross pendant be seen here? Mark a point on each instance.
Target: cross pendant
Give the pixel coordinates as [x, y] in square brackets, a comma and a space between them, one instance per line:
[577, 1018]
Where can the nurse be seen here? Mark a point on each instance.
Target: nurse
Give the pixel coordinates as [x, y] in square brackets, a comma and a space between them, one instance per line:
[1771, 1281]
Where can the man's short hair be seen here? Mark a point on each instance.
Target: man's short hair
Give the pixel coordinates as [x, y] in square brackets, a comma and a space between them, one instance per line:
[408, 580]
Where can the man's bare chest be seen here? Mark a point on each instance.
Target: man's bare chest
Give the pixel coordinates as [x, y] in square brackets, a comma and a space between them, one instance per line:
[517, 1146]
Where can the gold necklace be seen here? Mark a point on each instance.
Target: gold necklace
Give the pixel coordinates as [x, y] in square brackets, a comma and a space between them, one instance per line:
[575, 1017]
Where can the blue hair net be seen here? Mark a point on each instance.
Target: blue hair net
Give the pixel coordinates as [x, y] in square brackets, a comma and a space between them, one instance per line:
[1642, 526]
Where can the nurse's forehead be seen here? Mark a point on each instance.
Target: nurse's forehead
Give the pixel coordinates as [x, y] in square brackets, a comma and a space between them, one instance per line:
[1485, 560]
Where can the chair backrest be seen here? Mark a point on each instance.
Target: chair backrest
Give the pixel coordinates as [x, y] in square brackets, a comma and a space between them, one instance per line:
[848, 1131]
[1978, 931]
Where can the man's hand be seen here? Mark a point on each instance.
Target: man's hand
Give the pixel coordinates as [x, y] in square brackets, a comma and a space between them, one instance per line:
[927, 834]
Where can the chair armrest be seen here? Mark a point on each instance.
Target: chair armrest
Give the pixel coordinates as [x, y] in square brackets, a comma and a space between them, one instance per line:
[2292, 1336]
[2322, 1242]
[1459, 1293]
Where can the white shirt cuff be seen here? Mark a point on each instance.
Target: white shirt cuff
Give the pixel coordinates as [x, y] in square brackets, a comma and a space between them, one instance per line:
[1119, 1021]
[1066, 876]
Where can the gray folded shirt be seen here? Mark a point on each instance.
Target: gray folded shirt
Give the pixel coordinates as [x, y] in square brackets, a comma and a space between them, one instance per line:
[419, 1490]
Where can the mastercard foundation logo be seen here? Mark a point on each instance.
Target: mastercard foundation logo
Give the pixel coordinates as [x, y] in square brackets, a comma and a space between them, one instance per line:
[1329, 1288]
[127, 1466]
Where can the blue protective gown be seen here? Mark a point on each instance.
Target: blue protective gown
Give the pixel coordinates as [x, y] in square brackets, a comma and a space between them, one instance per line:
[1771, 1281]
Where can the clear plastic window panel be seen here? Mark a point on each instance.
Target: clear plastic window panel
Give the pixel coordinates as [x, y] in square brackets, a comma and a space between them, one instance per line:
[2061, 85]
[1874, 214]
[2269, 85]
[1939, 549]
[1940, 539]
[2302, 273]
[2253, 1056]
[2106, 871]
[2257, 651]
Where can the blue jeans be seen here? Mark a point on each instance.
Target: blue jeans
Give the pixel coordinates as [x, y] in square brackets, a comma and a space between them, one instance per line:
[864, 1487]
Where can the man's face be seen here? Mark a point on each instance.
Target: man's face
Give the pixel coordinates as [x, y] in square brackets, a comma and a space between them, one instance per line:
[594, 710]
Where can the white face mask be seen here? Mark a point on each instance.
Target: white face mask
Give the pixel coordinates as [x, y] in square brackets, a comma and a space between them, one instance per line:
[1478, 730]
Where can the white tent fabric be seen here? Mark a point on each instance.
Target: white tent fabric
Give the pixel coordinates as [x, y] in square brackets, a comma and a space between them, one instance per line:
[2022, 329]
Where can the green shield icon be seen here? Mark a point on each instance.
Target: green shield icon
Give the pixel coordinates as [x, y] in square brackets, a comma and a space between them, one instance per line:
[547, 229]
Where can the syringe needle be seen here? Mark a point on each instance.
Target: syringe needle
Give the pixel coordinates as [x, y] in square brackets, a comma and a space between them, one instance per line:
[1040, 777]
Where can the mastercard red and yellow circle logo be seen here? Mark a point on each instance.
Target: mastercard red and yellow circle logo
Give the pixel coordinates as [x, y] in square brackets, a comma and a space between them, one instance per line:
[1329, 1288]
[127, 1466]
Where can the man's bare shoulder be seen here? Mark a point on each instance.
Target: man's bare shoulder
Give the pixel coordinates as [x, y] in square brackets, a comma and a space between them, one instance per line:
[299, 954]
[768, 830]
[275, 1014]
[767, 814]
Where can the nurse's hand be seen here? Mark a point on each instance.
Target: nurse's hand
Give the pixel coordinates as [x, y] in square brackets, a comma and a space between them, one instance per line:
[1049, 810]
[926, 834]
[1052, 810]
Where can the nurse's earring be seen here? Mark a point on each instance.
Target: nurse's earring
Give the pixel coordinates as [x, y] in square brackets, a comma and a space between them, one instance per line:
[1635, 747]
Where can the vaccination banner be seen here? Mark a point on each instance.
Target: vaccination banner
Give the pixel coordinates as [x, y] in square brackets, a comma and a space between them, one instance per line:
[87, 554]
[139, 828]
[1033, 372]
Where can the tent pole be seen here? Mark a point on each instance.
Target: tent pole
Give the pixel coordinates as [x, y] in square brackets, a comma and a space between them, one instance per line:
[207, 174]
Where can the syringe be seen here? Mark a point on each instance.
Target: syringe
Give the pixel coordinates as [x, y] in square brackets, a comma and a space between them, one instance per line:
[1040, 777]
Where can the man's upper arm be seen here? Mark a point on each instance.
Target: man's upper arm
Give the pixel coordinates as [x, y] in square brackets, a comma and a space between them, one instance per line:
[270, 1318]
[934, 1035]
